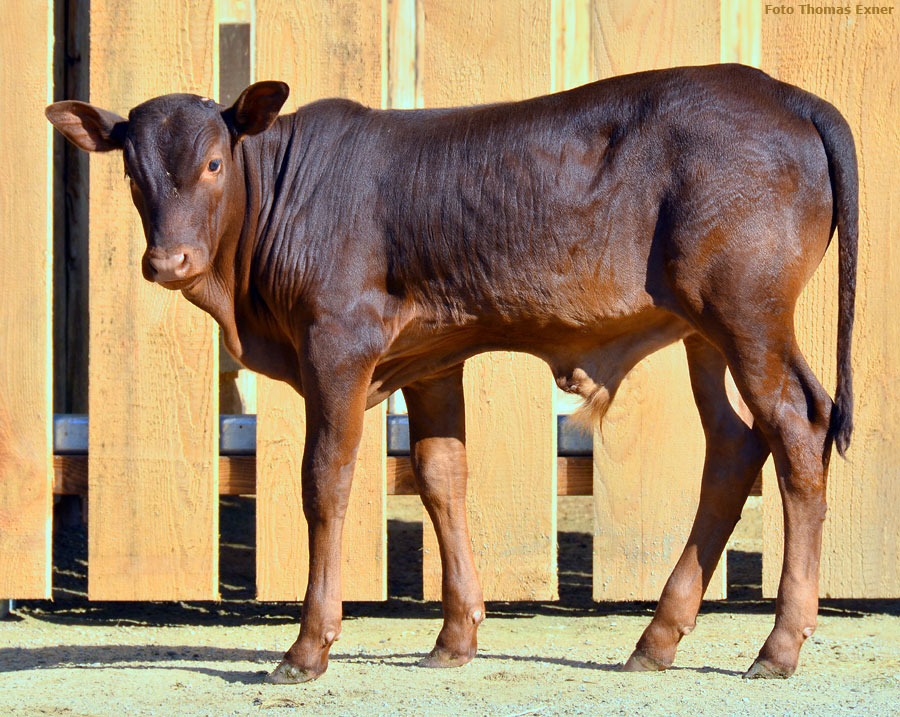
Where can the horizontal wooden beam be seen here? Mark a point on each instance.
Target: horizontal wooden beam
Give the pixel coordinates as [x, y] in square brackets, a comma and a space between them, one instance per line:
[237, 476]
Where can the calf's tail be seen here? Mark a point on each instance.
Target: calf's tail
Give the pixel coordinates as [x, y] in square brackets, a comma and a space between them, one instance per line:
[841, 151]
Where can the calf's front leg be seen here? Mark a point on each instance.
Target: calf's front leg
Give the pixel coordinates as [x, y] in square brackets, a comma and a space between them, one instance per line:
[335, 404]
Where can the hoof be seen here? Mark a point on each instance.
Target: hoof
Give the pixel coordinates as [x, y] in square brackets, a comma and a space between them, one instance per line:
[765, 670]
[441, 658]
[639, 662]
[288, 674]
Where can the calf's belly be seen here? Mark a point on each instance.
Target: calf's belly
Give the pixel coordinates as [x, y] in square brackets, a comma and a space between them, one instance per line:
[583, 361]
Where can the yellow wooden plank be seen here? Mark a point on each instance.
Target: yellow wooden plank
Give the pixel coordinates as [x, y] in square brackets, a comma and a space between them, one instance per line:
[403, 33]
[483, 52]
[649, 459]
[851, 61]
[321, 49]
[647, 467]
[740, 31]
[571, 37]
[282, 544]
[26, 249]
[235, 11]
[645, 35]
[153, 533]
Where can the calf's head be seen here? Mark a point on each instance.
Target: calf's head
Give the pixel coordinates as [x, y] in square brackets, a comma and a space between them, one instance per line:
[180, 160]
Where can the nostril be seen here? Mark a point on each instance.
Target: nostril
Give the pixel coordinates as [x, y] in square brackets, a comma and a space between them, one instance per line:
[169, 267]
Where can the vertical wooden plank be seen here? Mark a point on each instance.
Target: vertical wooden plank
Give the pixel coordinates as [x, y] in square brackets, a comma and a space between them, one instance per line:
[649, 458]
[850, 60]
[571, 38]
[236, 12]
[484, 52]
[740, 31]
[26, 250]
[321, 49]
[282, 543]
[404, 89]
[153, 462]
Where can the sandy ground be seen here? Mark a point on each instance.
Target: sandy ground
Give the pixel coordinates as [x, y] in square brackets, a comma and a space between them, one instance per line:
[74, 657]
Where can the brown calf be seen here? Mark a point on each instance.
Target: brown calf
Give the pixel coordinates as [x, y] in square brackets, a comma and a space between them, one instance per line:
[352, 252]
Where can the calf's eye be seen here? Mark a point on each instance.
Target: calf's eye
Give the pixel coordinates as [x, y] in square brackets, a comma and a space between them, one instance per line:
[215, 165]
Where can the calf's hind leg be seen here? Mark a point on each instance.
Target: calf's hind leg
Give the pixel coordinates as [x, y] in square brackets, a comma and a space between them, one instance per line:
[438, 453]
[735, 454]
[794, 411]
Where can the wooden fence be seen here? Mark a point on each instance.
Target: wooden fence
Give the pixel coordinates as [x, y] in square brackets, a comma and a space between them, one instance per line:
[153, 474]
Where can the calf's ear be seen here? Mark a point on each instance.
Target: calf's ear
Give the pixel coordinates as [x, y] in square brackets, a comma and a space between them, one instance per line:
[257, 107]
[91, 128]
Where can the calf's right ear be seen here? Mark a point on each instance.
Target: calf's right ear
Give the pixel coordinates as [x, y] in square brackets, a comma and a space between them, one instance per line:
[91, 128]
[257, 107]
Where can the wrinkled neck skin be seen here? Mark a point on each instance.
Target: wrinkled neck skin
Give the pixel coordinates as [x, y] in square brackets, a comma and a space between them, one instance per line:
[247, 289]
[285, 258]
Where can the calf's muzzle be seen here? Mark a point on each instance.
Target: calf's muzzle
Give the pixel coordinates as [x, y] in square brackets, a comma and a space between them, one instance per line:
[172, 266]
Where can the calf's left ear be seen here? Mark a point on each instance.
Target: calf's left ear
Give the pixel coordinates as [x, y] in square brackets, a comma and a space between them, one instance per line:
[91, 128]
[257, 107]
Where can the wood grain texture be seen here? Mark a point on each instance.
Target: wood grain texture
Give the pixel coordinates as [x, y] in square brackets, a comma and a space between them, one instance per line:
[484, 52]
[647, 466]
[649, 458]
[153, 533]
[321, 49]
[511, 448]
[647, 34]
[851, 62]
[26, 250]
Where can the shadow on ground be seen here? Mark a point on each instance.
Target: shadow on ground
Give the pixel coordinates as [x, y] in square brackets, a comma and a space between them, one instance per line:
[179, 657]
[238, 577]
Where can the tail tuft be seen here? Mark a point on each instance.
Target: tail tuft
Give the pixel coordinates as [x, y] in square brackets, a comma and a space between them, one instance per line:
[841, 426]
[591, 412]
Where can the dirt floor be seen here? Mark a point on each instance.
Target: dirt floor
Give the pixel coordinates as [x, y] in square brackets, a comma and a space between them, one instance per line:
[70, 656]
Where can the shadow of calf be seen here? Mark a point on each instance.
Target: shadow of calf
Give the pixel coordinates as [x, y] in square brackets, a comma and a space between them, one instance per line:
[174, 657]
